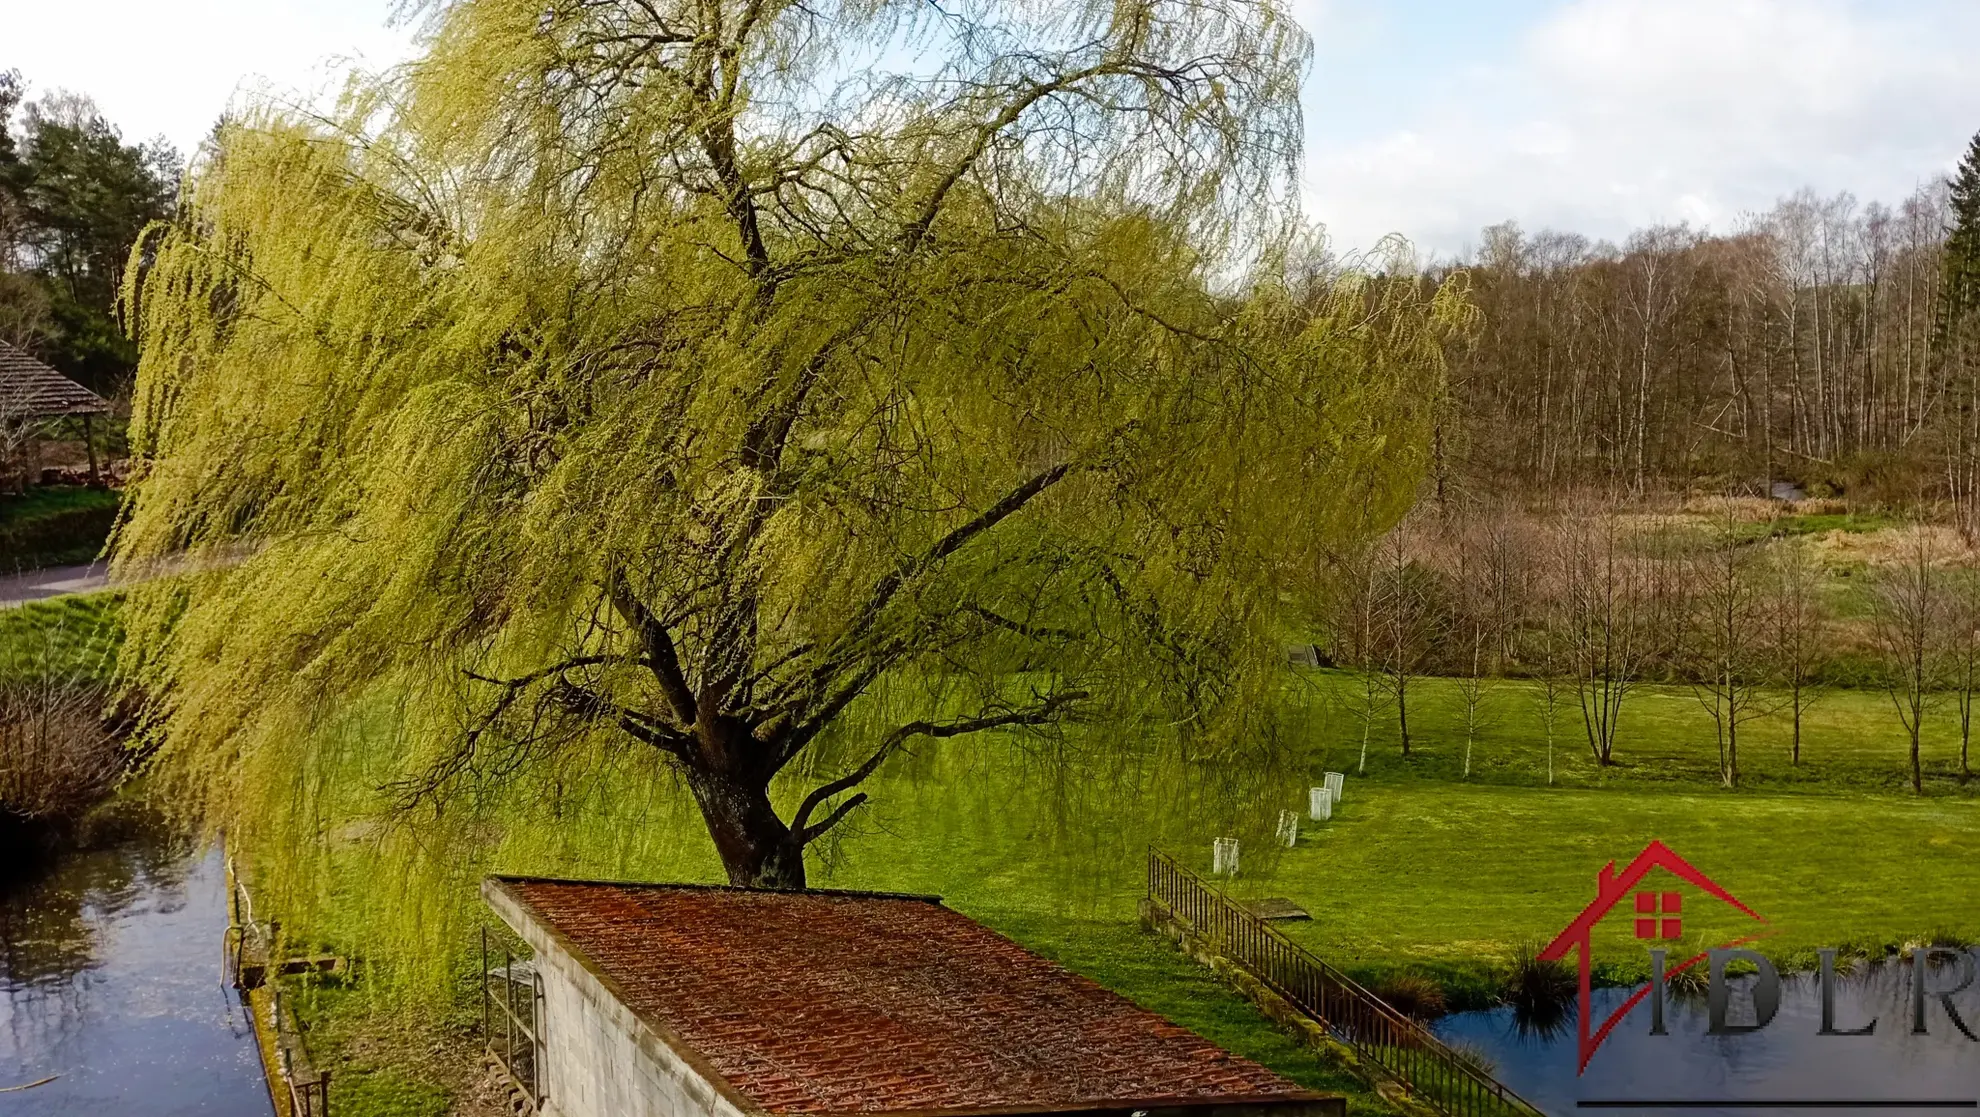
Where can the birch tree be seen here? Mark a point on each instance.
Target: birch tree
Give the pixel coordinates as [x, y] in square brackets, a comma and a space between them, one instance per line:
[1908, 604]
[1797, 629]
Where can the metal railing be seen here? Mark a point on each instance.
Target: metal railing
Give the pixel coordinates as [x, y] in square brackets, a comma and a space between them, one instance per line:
[309, 1086]
[1383, 1037]
[509, 999]
[245, 944]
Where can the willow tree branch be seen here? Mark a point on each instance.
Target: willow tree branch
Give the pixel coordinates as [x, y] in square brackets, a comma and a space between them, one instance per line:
[583, 702]
[1029, 632]
[890, 585]
[987, 133]
[931, 207]
[661, 656]
[1040, 714]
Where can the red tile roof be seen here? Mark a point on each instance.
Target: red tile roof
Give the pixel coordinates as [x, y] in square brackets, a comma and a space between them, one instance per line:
[825, 1002]
[30, 389]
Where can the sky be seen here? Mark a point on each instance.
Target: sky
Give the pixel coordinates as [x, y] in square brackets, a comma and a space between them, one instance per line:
[1426, 118]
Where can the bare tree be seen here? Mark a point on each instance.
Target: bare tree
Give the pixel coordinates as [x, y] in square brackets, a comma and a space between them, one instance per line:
[1543, 645]
[1908, 609]
[1727, 642]
[1475, 685]
[1407, 624]
[1357, 590]
[1492, 583]
[1798, 628]
[1805, 334]
[1609, 608]
[20, 425]
[56, 757]
[1552, 687]
[1963, 652]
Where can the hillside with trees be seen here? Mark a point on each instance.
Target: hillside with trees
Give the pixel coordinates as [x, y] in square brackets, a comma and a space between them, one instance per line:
[1825, 342]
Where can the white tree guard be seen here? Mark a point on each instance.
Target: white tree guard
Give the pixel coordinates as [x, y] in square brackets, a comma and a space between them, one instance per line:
[1319, 804]
[1224, 857]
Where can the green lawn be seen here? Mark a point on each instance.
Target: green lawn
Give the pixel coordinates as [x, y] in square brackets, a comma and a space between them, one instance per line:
[1852, 741]
[1445, 875]
[72, 639]
[1423, 869]
[1420, 870]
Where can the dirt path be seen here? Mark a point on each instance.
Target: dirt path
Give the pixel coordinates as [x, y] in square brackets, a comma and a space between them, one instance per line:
[39, 585]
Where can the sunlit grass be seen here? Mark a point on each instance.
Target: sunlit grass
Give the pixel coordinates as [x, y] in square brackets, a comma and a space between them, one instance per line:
[1420, 869]
[71, 638]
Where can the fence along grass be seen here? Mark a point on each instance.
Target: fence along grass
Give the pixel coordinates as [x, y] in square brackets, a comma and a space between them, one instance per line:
[1388, 1040]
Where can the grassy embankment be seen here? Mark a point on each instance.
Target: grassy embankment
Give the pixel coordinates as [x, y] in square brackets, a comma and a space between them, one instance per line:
[65, 639]
[55, 525]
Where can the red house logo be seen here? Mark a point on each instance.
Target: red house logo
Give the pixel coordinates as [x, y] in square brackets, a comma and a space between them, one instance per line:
[1659, 915]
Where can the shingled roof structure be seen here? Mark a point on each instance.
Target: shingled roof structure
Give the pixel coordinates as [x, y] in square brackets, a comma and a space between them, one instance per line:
[836, 1003]
[32, 390]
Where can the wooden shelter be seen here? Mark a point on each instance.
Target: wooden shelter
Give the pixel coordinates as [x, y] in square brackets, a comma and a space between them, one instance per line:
[32, 394]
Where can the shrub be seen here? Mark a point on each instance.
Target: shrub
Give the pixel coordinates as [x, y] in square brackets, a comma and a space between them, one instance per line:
[57, 758]
[1536, 986]
[1415, 995]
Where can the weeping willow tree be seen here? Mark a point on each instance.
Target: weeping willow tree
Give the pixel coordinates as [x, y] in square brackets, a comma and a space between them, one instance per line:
[685, 377]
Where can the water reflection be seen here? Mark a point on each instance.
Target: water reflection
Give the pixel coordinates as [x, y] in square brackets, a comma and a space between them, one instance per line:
[1788, 1060]
[110, 978]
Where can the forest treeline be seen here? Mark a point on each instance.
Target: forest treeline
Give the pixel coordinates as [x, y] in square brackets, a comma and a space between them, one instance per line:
[1825, 342]
[74, 195]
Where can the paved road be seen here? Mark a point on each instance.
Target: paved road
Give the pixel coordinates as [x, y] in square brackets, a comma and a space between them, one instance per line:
[39, 585]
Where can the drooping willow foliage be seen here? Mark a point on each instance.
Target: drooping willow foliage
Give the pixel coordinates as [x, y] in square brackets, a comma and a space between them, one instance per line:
[738, 394]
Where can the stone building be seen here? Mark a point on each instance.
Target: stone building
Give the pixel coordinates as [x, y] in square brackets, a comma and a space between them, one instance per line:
[657, 1000]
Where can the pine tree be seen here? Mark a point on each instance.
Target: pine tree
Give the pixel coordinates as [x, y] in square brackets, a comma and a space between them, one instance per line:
[1962, 251]
[1954, 340]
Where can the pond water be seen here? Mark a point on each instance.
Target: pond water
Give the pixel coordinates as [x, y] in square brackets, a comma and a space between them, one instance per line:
[1889, 1071]
[111, 974]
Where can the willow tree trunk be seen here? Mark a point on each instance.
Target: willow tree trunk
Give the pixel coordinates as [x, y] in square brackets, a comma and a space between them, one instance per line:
[757, 849]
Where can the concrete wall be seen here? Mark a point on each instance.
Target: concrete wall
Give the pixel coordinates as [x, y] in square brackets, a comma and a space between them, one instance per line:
[599, 1059]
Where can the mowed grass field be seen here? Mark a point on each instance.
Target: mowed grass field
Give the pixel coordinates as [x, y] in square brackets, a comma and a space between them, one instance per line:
[1421, 868]
[1852, 740]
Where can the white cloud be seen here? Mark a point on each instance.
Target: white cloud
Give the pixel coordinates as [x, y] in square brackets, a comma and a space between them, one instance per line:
[171, 67]
[1611, 114]
[1427, 117]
